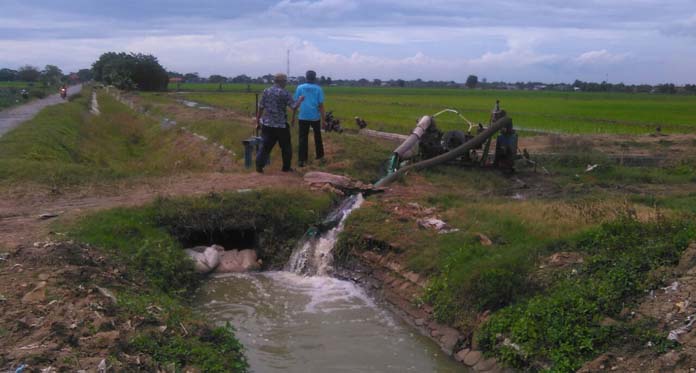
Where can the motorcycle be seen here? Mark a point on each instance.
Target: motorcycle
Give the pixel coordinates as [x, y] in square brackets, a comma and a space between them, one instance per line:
[63, 93]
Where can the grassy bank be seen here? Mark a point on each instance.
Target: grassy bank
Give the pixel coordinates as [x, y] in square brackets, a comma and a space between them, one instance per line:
[148, 242]
[564, 325]
[63, 145]
[357, 156]
[551, 316]
[10, 93]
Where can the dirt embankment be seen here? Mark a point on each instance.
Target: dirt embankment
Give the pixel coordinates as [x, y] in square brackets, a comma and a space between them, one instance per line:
[54, 314]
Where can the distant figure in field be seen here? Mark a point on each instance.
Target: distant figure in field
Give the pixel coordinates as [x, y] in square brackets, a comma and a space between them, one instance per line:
[311, 115]
[272, 119]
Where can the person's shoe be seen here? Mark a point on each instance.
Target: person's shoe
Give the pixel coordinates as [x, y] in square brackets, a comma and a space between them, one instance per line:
[259, 170]
[300, 164]
[288, 170]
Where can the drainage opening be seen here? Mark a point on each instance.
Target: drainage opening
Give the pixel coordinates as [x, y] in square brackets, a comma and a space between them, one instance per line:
[230, 239]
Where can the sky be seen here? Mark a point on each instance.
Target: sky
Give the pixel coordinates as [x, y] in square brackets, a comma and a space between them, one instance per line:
[630, 41]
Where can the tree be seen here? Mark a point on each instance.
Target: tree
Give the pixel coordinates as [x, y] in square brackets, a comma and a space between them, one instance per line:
[51, 75]
[28, 73]
[128, 71]
[400, 82]
[241, 79]
[217, 79]
[7, 75]
[376, 82]
[85, 75]
[192, 78]
[471, 81]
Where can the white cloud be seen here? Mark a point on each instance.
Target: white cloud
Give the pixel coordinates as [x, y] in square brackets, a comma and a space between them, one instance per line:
[600, 57]
[301, 10]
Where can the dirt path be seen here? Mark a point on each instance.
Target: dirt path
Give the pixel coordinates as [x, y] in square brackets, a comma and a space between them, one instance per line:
[11, 118]
[21, 224]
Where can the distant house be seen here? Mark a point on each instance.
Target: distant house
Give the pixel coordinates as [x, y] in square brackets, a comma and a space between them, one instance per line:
[176, 80]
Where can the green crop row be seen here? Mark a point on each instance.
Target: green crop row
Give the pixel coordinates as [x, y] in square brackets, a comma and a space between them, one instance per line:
[398, 109]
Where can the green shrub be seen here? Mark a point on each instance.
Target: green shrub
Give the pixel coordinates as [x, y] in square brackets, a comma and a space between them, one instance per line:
[37, 93]
[560, 329]
[212, 350]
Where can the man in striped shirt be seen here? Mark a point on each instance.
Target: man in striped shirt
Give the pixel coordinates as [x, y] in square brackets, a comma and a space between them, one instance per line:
[272, 119]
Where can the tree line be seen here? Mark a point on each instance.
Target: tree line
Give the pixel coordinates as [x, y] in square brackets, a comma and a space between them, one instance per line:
[143, 71]
[472, 82]
[50, 75]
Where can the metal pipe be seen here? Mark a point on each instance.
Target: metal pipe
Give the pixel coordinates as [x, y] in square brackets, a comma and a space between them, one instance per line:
[451, 155]
[415, 135]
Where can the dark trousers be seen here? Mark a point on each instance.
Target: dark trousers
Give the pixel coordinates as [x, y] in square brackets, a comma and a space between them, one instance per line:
[269, 137]
[304, 135]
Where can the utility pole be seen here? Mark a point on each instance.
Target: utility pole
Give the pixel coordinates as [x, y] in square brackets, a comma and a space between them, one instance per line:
[288, 67]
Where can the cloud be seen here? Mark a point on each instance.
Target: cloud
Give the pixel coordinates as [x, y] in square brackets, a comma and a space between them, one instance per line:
[600, 57]
[441, 39]
[681, 27]
[301, 11]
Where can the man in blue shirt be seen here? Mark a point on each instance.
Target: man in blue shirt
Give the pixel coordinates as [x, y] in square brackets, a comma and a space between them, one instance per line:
[272, 119]
[311, 115]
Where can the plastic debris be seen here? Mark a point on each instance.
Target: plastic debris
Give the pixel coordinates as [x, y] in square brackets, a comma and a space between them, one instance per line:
[674, 334]
[672, 287]
[107, 293]
[101, 368]
[591, 167]
[48, 215]
[682, 306]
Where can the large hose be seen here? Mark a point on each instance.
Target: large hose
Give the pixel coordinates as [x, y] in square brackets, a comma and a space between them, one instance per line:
[451, 155]
[414, 137]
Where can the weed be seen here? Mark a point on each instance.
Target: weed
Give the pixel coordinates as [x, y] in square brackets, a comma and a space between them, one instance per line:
[560, 329]
[215, 350]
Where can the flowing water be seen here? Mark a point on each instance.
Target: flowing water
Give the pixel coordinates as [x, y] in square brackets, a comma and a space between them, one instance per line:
[313, 254]
[302, 320]
[294, 323]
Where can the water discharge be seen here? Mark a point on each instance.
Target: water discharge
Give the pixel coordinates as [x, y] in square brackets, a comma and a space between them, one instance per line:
[294, 323]
[302, 320]
[313, 255]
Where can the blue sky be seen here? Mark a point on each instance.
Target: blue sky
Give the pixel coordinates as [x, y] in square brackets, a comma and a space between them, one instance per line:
[631, 41]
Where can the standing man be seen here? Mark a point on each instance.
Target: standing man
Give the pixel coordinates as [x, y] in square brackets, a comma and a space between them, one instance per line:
[272, 119]
[311, 115]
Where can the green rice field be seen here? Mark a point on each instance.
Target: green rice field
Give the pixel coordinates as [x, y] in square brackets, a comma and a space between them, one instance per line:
[397, 109]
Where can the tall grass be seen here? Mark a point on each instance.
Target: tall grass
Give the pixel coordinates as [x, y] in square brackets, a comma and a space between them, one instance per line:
[63, 145]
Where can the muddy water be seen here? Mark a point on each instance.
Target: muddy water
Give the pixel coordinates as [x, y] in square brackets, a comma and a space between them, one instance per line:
[292, 323]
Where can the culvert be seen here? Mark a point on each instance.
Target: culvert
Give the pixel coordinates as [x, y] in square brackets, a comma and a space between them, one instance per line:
[230, 239]
[290, 322]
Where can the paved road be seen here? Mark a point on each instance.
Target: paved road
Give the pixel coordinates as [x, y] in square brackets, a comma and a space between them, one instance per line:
[11, 118]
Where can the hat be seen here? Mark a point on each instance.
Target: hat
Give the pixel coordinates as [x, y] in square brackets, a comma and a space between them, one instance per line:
[280, 77]
[311, 75]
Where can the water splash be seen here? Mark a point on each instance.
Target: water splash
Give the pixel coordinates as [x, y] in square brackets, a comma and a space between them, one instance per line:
[313, 255]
